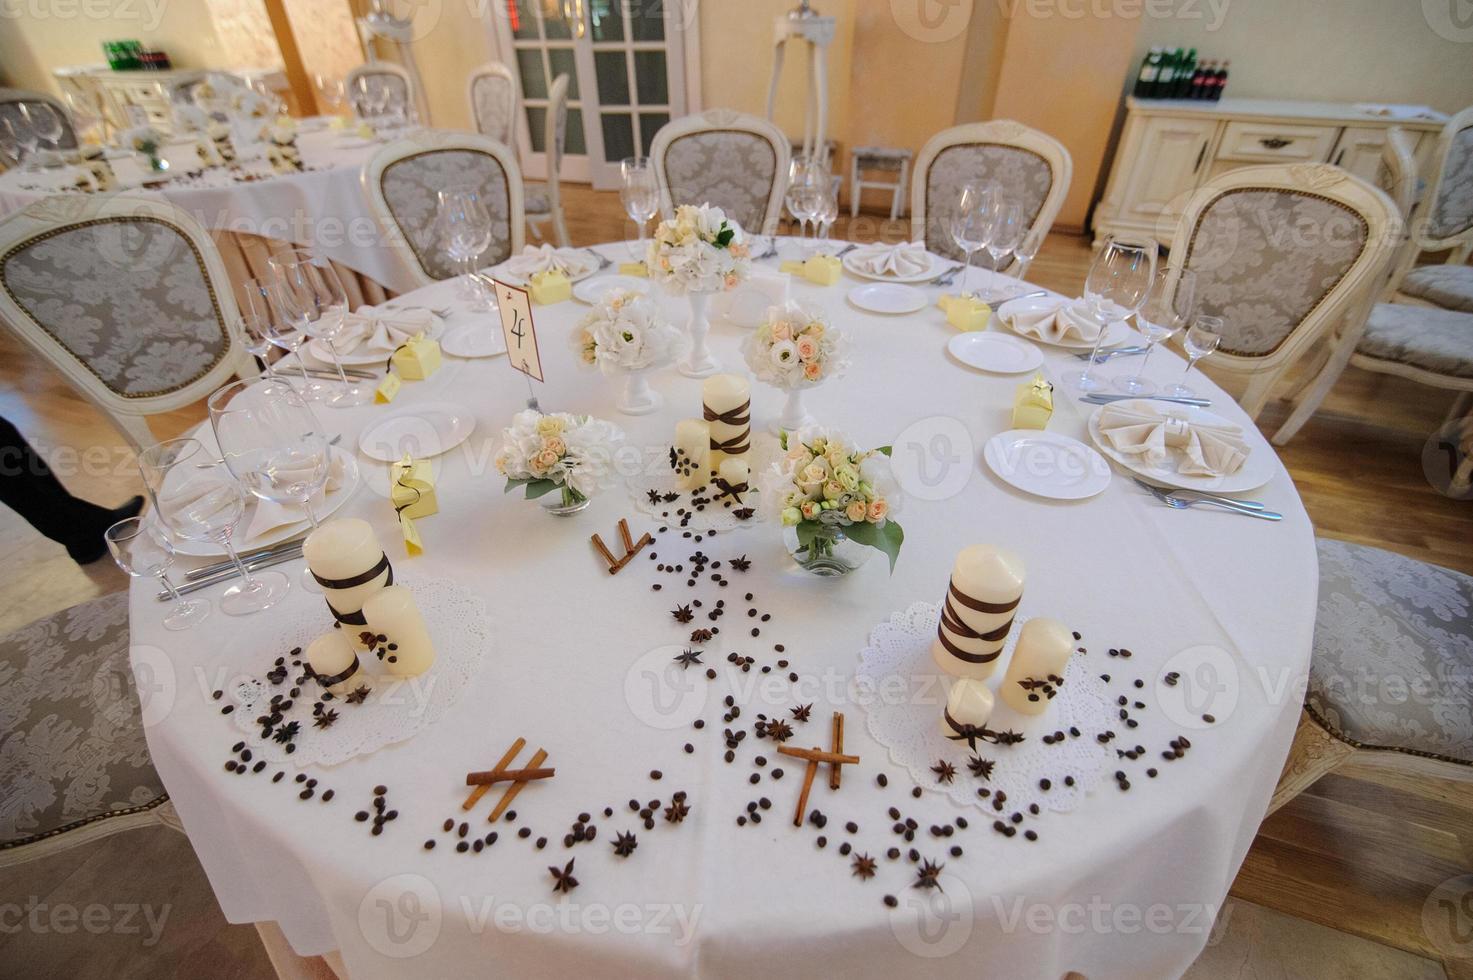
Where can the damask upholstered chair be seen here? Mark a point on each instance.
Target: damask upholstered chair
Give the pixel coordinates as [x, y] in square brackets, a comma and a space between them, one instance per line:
[127, 297]
[1445, 225]
[545, 200]
[11, 101]
[1283, 254]
[396, 82]
[1391, 680]
[737, 162]
[77, 766]
[402, 181]
[494, 102]
[1032, 168]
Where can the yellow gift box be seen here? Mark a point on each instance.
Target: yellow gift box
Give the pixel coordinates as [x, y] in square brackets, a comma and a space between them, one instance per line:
[965, 312]
[792, 267]
[416, 359]
[1033, 405]
[387, 389]
[550, 287]
[634, 269]
[412, 488]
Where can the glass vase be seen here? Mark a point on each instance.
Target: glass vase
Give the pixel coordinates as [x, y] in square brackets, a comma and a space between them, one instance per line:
[831, 553]
[563, 501]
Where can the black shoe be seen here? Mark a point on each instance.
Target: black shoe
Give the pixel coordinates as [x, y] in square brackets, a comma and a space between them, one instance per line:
[94, 546]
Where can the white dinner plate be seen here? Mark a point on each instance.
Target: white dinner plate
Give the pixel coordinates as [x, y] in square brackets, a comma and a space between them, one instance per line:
[502, 273]
[1257, 469]
[991, 351]
[475, 340]
[930, 273]
[1047, 464]
[427, 430]
[887, 297]
[318, 347]
[592, 291]
[1117, 332]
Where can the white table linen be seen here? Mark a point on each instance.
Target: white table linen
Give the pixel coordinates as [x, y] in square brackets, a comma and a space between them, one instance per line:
[1124, 886]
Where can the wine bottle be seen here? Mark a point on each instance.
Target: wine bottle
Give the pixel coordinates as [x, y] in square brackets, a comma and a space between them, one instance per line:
[1219, 81]
[1184, 74]
[1199, 79]
[1145, 79]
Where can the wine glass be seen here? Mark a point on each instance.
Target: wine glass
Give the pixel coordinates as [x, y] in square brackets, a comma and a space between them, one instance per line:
[465, 232]
[1166, 311]
[639, 193]
[142, 548]
[197, 498]
[311, 297]
[1117, 285]
[1202, 339]
[330, 92]
[1006, 230]
[970, 222]
[827, 213]
[805, 176]
[256, 338]
[47, 123]
[272, 442]
[264, 311]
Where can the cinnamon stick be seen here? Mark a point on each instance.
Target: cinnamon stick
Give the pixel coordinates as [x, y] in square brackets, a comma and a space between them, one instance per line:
[598, 543]
[515, 788]
[506, 760]
[624, 534]
[818, 755]
[808, 774]
[838, 744]
[639, 546]
[507, 776]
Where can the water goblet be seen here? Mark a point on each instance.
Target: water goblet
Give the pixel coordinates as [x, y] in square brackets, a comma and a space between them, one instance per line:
[1117, 285]
[1167, 310]
[1200, 340]
[141, 549]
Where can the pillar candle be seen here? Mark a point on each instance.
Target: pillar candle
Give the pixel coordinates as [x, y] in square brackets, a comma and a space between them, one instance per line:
[968, 708]
[691, 456]
[1036, 671]
[735, 474]
[347, 560]
[405, 647]
[335, 664]
[986, 586]
[727, 401]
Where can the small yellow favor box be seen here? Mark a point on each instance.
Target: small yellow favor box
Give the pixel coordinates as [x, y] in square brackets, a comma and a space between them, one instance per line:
[412, 488]
[550, 287]
[965, 312]
[416, 359]
[1033, 405]
[387, 389]
[634, 269]
[822, 270]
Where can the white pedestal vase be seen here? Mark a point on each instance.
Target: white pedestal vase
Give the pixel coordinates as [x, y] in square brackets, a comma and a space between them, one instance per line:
[698, 363]
[636, 397]
[795, 414]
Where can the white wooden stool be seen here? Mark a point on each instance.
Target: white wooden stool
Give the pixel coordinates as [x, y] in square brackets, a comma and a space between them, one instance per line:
[888, 159]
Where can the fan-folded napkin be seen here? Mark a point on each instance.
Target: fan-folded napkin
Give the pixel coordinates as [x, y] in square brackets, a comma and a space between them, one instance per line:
[377, 330]
[906, 259]
[1056, 320]
[1202, 449]
[571, 262]
[270, 515]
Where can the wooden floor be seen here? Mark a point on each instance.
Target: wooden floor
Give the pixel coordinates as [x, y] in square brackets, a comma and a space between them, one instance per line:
[1359, 852]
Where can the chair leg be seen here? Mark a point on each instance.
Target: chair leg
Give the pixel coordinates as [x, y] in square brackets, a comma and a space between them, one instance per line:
[560, 228]
[1460, 407]
[1256, 395]
[1314, 753]
[1309, 401]
[135, 430]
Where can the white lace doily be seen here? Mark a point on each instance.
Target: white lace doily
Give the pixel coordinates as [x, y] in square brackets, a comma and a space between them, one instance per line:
[396, 709]
[904, 708]
[715, 515]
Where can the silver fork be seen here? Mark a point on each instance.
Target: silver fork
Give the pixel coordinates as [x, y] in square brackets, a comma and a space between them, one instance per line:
[1180, 503]
[603, 263]
[1250, 504]
[946, 277]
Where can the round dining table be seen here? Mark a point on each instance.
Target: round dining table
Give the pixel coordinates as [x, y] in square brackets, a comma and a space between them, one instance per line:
[1127, 883]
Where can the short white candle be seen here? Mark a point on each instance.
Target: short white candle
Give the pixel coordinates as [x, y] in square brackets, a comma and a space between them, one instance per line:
[331, 655]
[734, 471]
[393, 614]
[341, 549]
[970, 704]
[722, 394]
[1036, 670]
[982, 598]
[692, 443]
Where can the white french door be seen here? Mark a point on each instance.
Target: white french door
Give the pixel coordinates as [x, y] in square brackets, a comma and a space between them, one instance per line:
[626, 67]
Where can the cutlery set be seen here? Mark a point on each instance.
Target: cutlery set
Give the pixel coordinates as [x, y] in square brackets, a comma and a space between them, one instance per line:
[224, 571]
[1102, 398]
[1185, 499]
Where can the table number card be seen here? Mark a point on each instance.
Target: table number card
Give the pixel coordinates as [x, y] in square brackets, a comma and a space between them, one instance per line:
[515, 306]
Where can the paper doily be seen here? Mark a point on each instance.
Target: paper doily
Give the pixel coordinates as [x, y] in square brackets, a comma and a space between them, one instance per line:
[907, 693]
[396, 709]
[713, 514]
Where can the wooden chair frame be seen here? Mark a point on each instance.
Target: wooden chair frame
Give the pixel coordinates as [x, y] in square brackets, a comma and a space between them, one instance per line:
[557, 103]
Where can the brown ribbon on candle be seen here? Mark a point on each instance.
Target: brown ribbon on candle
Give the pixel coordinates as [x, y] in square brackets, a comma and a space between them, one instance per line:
[727, 490]
[355, 618]
[741, 415]
[332, 679]
[951, 621]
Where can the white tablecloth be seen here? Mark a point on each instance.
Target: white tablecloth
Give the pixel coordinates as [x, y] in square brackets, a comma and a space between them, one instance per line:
[1124, 886]
[323, 207]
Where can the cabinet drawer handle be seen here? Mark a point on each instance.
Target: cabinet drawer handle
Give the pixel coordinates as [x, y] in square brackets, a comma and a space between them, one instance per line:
[1339, 156]
[1274, 142]
[1200, 154]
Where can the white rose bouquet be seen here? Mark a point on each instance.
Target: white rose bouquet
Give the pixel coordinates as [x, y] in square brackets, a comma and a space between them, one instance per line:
[794, 349]
[825, 489]
[701, 251]
[625, 332]
[558, 451]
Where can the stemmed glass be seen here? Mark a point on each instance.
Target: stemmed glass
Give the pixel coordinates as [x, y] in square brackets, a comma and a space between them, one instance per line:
[1117, 285]
[806, 175]
[465, 232]
[1005, 232]
[330, 91]
[256, 338]
[273, 444]
[265, 313]
[1165, 312]
[639, 193]
[970, 223]
[311, 297]
[142, 548]
[826, 214]
[1202, 339]
[197, 498]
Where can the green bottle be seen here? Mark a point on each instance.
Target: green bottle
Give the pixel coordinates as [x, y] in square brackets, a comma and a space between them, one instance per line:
[1184, 74]
[1166, 80]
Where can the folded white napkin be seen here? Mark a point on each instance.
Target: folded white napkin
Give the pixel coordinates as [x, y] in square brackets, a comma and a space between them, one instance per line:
[270, 515]
[1057, 320]
[1142, 429]
[906, 259]
[378, 330]
[572, 262]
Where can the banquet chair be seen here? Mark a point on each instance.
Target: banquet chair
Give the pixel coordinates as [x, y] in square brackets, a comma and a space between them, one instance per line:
[492, 92]
[1385, 624]
[1032, 168]
[737, 162]
[78, 768]
[544, 201]
[397, 80]
[128, 298]
[402, 179]
[1445, 226]
[11, 99]
[1282, 254]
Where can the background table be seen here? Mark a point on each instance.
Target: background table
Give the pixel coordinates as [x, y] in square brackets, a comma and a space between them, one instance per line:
[1124, 886]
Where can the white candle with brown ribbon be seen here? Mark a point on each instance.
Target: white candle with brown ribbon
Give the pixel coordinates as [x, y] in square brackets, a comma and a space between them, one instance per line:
[727, 401]
[399, 630]
[335, 664]
[346, 559]
[1036, 670]
[732, 481]
[968, 709]
[981, 600]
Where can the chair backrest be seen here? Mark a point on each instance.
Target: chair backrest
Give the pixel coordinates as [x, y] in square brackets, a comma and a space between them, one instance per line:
[732, 160]
[402, 181]
[126, 296]
[1032, 168]
[1447, 216]
[1281, 253]
[394, 78]
[11, 99]
[555, 138]
[492, 91]
[1396, 172]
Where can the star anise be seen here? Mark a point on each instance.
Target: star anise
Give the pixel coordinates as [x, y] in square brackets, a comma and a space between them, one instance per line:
[683, 614]
[325, 719]
[670, 497]
[776, 729]
[928, 875]
[676, 811]
[563, 881]
[358, 695]
[801, 712]
[945, 771]
[981, 768]
[624, 844]
[701, 636]
[288, 731]
[743, 513]
[740, 564]
[1008, 737]
[688, 658]
[863, 866]
[653, 495]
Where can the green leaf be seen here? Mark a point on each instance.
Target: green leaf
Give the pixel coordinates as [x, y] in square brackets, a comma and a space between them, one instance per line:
[887, 537]
[807, 532]
[884, 450]
[725, 235]
[516, 481]
[537, 488]
[782, 438]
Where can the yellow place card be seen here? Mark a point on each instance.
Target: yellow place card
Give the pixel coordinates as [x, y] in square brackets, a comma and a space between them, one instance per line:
[515, 307]
[634, 269]
[550, 287]
[387, 389]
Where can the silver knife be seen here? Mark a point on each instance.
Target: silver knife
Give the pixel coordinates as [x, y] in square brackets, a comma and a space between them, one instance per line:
[226, 576]
[281, 547]
[1110, 352]
[1098, 398]
[846, 250]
